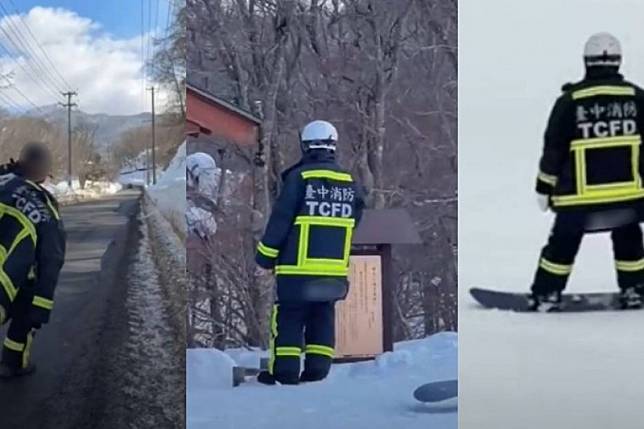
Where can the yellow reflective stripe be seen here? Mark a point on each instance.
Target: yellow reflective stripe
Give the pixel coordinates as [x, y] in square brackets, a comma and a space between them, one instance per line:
[303, 244]
[23, 234]
[13, 345]
[41, 302]
[597, 198]
[327, 174]
[307, 266]
[629, 186]
[3, 254]
[342, 222]
[271, 344]
[310, 270]
[325, 261]
[547, 178]
[288, 351]
[606, 192]
[319, 350]
[347, 246]
[49, 203]
[269, 252]
[630, 266]
[603, 90]
[26, 355]
[24, 220]
[551, 267]
[3, 315]
[7, 285]
[52, 208]
[605, 142]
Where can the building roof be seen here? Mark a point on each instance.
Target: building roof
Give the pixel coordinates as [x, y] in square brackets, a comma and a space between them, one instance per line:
[223, 103]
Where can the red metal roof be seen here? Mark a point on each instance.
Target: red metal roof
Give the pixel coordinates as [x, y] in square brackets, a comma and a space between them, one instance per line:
[207, 114]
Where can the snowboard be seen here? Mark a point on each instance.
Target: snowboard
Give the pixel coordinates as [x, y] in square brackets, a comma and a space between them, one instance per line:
[571, 302]
[437, 391]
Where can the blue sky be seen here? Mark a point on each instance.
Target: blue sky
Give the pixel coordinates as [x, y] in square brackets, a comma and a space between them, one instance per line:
[121, 18]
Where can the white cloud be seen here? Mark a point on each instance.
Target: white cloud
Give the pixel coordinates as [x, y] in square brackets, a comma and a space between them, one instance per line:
[106, 71]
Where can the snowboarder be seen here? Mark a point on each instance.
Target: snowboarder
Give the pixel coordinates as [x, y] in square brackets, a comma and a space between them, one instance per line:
[591, 169]
[32, 252]
[307, 242]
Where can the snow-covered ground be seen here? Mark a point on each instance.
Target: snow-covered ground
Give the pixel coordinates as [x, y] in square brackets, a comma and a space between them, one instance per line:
[532, 371]
[92, 190]
[365, 395]
[169, 193]
[147, 368]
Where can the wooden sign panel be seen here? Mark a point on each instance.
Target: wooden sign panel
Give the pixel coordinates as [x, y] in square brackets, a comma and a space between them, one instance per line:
[358, 319]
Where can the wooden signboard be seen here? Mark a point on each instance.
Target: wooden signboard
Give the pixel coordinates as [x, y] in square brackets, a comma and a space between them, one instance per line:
[359, 325]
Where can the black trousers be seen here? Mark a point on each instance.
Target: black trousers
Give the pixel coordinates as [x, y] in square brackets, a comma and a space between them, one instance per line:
[301, 327]
[558, 256]
[16, 347]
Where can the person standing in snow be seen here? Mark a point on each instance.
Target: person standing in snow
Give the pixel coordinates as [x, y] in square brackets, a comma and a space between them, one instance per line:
[307, 243]
[591, 168]
[32, 253]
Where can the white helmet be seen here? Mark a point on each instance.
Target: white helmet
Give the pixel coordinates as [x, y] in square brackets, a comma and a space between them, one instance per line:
[602, 49]
[197, 164]
[319, 135]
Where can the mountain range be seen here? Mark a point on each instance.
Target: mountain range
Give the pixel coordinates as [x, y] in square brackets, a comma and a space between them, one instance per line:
[109, 127]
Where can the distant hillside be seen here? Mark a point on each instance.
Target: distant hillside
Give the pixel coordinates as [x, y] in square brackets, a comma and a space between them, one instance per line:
[110, 127]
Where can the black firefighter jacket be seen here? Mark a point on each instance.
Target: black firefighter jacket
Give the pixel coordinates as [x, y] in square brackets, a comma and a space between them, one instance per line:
[32, 244]
[308, 236]
[592, 157]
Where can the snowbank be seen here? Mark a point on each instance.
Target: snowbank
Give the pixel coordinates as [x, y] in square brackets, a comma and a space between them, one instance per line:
[209, 369]
[169, 193]
[92, 190]
[371, 395]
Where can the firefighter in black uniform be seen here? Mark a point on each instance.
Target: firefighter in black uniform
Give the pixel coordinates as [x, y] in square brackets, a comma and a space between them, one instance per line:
[307, 242]
[591, 169]
[32, 251]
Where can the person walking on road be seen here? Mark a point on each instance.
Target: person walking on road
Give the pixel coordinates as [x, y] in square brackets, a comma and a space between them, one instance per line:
[32, 253]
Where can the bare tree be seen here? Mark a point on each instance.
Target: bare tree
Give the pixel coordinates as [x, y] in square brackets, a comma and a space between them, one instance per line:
[385, 74]
[168, 66]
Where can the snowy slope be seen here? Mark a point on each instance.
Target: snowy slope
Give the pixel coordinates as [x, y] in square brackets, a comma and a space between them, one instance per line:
[169, 193]
[366, 395]
[533, 371]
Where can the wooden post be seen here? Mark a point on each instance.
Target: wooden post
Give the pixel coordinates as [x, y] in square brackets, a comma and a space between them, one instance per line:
[387, 298]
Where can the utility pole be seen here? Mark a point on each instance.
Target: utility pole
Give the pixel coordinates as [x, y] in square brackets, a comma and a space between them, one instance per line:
[69, 106]
[154, 156]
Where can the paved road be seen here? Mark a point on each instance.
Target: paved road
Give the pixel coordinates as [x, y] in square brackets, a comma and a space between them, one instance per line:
[100, 240]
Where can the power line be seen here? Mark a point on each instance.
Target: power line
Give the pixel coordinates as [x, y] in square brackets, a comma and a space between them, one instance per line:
[142, 55]
[19, 47]
[28, 72]
[26, 46]
[10, 102]
[168, 18]
[156, 23]
[27, 99]
[44, 52]
[148, 55]
[11, 85]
